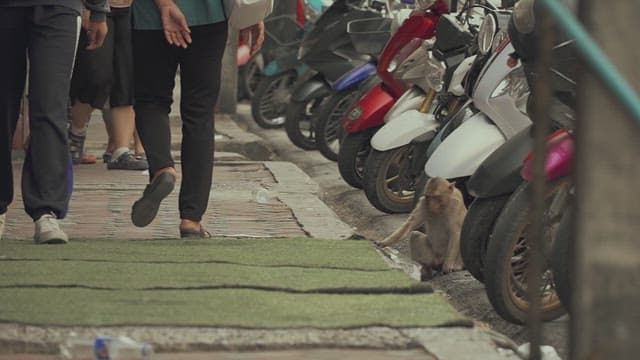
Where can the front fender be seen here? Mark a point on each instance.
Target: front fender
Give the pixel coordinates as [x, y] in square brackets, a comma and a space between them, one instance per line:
[499, 173]
[369, 111]
[315, 87]
[403, 129]
[462, 152]
[282, 64]
[356, 76]
[410, 100]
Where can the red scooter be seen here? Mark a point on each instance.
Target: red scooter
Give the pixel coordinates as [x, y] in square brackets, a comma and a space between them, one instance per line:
[367, 115]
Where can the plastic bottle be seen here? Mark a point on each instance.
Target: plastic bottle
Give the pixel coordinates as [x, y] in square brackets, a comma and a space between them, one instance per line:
[264, 196]
[105, 348]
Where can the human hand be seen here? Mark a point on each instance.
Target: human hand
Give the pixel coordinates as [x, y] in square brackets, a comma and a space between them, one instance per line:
[96, 32]
[253, 35]
[176, 29]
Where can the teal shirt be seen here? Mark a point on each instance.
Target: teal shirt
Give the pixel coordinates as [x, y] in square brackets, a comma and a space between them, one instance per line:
[198, 12]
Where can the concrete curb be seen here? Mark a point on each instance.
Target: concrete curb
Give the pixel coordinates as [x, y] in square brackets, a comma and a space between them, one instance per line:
[237, 140]
[315, 217]
[443, 343]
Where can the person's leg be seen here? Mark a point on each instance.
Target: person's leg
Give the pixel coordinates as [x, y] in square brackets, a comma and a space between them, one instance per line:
[155, 65]
[90, 86]
[13, 67]
[121, 98]
[200, 80]
[108, 125]
[45, 191]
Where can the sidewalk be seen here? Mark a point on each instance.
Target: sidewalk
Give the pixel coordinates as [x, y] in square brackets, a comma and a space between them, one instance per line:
[100, 209]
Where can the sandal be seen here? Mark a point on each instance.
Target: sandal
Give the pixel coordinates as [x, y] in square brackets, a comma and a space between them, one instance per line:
[146, 208]
[195, 234]
[76, 147]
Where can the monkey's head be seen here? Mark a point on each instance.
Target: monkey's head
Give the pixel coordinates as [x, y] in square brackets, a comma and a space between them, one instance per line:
[438, 192]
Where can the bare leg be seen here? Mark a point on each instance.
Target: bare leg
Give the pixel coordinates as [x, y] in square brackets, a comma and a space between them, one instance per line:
[80, 114]
[137, 143]
[122, 127]
[108, 125]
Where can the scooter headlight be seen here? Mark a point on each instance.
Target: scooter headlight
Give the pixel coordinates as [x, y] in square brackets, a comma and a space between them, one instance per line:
[435, 70]
[402, 56]
[487, 33]
[515, 86]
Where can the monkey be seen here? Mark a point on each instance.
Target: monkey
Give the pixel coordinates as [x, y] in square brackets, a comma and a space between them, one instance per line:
[441, 207]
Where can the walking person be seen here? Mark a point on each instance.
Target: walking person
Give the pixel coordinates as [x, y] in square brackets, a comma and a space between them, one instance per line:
[101, 75]
[192, 35]
[45, 32]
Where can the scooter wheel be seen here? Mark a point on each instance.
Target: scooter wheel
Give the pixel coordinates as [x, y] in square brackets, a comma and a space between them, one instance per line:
[300, 123]
[354, 150]
[508, 254]
[249, 76]
[388, 181]
[476, 230]
[329, 121]
[561, 260]
[270, 101]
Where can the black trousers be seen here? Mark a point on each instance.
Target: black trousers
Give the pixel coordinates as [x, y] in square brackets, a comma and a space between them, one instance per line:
[155, 66]
[106, 72]
[47, 35]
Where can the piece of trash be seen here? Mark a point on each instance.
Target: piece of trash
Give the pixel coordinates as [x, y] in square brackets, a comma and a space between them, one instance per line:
[105, 348]
[546, 352]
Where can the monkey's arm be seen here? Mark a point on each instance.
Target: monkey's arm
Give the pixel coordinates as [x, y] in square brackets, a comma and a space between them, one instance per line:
[416, 219]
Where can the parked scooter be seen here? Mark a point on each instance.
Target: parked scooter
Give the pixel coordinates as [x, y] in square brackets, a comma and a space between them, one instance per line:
[399, 148]
[277, 76]
[367, 115]
[495, 231]
[250, 68]
[329, 52]
[369, 36]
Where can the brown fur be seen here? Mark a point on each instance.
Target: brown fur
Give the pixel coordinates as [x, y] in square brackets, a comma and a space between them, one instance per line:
[441, 208]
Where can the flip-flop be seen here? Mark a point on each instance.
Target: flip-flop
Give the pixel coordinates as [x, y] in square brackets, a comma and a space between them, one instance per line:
[146, 208]
[200, 233]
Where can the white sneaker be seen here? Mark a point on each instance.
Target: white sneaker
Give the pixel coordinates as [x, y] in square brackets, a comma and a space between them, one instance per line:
[48, 231]
[2, 219]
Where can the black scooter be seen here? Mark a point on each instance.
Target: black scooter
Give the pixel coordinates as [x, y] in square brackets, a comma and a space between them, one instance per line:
[496, 183]
[330, 53]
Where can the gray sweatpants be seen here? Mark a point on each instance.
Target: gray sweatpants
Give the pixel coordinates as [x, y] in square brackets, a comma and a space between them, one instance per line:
[47, 36]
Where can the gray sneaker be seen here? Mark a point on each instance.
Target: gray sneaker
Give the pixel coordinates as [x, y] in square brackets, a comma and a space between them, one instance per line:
[127, 161]
[2, 219]
[48, 231]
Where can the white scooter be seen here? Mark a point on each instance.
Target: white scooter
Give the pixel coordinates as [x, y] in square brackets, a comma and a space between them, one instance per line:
[436, 70]
[500, 95]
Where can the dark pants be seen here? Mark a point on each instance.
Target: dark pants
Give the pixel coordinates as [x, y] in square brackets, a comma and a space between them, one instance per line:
[155, 65]
[106, 72]
[47, 35]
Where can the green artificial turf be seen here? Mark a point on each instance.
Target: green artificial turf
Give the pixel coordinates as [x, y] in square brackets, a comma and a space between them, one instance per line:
[254, 283]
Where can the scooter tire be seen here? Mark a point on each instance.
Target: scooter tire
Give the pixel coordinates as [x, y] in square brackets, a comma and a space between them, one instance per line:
[266, 113]
[507, 247]
[300, 123]
[377, 187]
[329, 122]
[249, 76]
[476, 232]
[561, 260]
[354, 150]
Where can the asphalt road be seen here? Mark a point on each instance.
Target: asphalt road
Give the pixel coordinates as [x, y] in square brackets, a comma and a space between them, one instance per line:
[465, 292]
